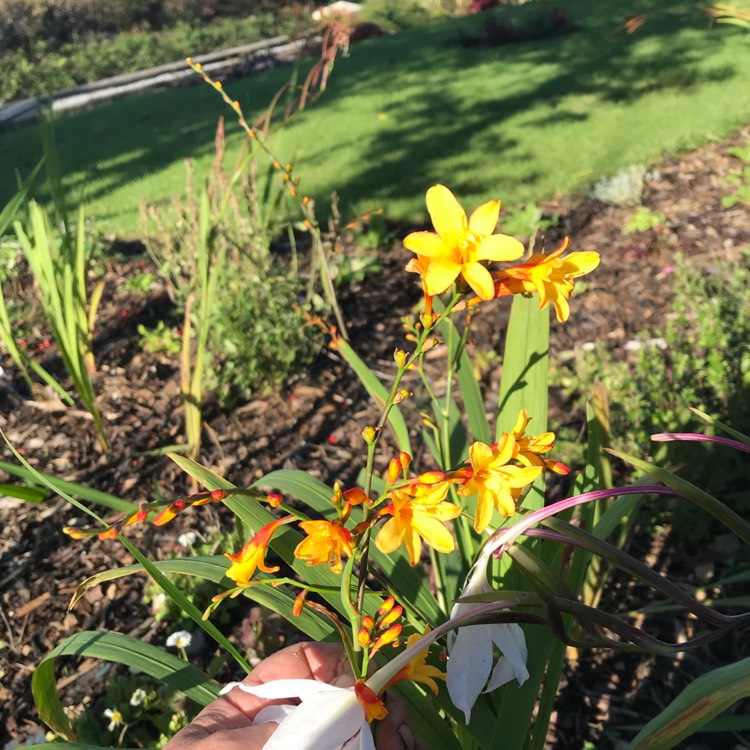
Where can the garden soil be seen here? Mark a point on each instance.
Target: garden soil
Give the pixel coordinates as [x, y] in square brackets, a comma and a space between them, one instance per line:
[314, 423]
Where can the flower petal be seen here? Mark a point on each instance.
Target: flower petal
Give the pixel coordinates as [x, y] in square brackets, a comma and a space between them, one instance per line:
[441, 273]
[295, 688]
[500, 247]
[560, 301]
[521, 423]
[480, 454]
[328, 716]
[448, 218]
[469, 666]
[389, 538]
[580, 262]
[320, 722]
[510, 639]
[413, 543]
[275, 713]
[427, 244]
[480, 280]
[483, 513]
[484, 220]
[434, 533]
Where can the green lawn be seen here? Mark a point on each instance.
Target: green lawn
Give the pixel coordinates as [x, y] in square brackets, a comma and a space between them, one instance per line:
[522, 122]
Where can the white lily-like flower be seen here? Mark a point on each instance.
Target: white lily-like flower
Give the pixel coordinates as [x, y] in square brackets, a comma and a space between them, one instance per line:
[328, 717]
[470, 648]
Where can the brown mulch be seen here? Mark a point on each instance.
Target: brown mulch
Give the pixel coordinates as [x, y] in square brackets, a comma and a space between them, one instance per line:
[314, 423]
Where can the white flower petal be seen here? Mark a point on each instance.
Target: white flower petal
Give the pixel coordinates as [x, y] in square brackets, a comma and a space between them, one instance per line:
[509, 638]
[284, 688]
[469, 666]
[275, 713]
[180, 639]
[328, 718]
[321, 722]
[503, 672]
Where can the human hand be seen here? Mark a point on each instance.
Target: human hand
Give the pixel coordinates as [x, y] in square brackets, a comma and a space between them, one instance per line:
[227, 723]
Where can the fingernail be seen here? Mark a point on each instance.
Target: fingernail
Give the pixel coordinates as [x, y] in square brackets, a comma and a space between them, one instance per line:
[407, 737]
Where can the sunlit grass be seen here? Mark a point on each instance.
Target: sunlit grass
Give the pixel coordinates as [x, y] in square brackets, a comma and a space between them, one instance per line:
[521, 121]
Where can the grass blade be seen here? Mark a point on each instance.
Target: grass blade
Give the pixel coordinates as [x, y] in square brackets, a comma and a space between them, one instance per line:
[702, 700]
[377, 391]
[213, 568]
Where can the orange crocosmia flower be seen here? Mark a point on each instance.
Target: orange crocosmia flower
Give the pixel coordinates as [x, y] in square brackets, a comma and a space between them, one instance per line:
[373, 707]
[459, 245]
[418, 670]
[326, 542]
[551, 276]
[529, 449]
[252, 555]
[495, 481]
[418, 513]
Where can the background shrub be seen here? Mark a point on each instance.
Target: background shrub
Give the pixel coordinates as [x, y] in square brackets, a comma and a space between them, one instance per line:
[24, 23]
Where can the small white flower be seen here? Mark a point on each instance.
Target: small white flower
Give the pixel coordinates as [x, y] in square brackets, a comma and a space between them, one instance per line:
[115, 718]
[187, 539]
[158, 602]
[328, 717]
[179, 639]
[470, 649]
[138, 697]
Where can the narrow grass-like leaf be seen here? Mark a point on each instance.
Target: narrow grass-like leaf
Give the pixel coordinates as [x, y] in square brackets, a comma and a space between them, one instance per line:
[254, 515]
[468, 385]
[213, 568]
[689, 491]
[524, 385]
[723, 427]
[378, 392]
[58, 266]
[170, 589]
[29, 494]
[12, 207]
[123, 649]
[7, 215]
[431, 728]
[304, 487]
[702, 700]
[79, 490]
[186, 604]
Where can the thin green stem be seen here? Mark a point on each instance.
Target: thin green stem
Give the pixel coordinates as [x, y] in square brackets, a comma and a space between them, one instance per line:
[437, 573]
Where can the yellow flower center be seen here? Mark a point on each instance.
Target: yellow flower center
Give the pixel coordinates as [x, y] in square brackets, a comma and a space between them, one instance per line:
[467, 247]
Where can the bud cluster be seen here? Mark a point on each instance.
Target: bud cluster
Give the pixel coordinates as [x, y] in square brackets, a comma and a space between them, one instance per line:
[374, 633]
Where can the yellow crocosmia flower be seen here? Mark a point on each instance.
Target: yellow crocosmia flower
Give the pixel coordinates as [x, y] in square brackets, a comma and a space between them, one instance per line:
[550, 276]
[252, 555]
[495, 481]
[459, 245]
[529, 449]
[326, 542]
[418, 513]
[418, 670]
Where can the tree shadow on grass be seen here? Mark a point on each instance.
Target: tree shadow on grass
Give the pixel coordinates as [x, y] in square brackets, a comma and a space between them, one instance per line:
[438, 125]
